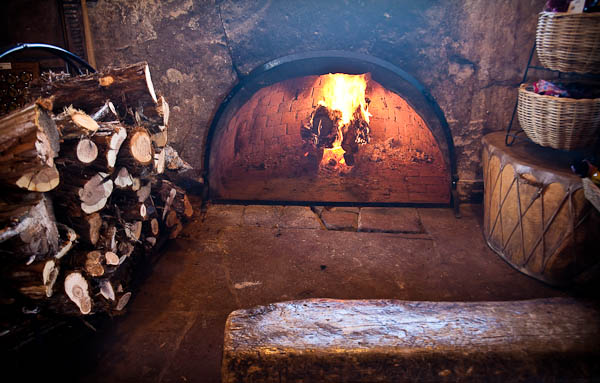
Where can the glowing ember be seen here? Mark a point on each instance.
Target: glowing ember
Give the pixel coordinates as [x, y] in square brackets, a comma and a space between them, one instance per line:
[345, 93]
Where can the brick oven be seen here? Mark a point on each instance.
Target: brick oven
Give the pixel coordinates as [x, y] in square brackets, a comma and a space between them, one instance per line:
[260, 147]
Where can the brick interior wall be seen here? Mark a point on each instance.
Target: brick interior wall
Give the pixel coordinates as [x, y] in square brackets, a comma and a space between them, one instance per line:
[260, 155]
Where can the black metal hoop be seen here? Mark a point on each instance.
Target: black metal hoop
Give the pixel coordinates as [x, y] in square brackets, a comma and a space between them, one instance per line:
[68, 57]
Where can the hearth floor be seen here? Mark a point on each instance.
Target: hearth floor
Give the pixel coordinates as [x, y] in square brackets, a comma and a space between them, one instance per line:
[233, 256]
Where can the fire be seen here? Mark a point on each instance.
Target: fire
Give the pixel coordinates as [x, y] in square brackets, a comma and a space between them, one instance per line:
[345, 93]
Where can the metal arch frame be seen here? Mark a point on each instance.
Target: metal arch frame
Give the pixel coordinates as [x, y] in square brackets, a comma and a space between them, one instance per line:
[64, 54]
[322, 62]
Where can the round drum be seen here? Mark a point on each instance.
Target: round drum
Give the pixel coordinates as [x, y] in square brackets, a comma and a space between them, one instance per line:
[536, 216]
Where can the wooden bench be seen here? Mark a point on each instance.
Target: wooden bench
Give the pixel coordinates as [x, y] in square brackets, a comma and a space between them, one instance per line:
[324, 340]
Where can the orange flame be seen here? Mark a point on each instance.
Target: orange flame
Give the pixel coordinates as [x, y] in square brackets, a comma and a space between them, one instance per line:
[343, 92]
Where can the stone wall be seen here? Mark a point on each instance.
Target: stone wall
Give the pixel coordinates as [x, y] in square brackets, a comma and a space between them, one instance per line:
[470, 54]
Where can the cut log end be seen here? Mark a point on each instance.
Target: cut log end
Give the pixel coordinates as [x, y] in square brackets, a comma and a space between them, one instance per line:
[76, 288]
[154, 227]
[106, 290]
[112, 259]
[123, 301]
[95, 193]
[149, 83]
[93, 264]
[123, 178]
[42, 180]
[141, 147]
[87, 151]
[82, 119]
[49, 276]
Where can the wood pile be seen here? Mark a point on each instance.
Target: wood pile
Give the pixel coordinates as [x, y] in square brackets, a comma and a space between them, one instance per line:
[84, 189]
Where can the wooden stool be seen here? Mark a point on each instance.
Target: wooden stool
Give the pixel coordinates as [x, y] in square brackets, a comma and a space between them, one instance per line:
[536, 216]
[325, 340]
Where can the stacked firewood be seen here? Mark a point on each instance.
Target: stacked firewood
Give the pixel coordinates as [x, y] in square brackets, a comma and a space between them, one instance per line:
[84, 189]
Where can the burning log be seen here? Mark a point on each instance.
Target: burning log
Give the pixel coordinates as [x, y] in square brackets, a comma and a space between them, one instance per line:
[29, 142]
[321, 131]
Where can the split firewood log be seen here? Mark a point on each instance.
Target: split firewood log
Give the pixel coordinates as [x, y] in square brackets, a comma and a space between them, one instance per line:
[68, 237]
[93, 192]
[173, 223]
[93, 264]
[122, 179]
[105, 113]
[29, 142]
[151, 227]
[73, 123]
[86, 225]
[109, 139]
[136, 153]
[77, 289]
[35, 280]
[173, 162]
[94, 151]
[112, 297]
[127, 87]
[174, 197]
[160, 139]
[159, 161]
[126, 206]
[133, 230]
[155, 118]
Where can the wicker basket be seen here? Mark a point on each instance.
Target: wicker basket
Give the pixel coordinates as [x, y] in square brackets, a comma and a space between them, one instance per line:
[559, 123]
[569, 42]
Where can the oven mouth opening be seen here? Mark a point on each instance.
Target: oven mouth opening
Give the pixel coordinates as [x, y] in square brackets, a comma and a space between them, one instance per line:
[305, 67]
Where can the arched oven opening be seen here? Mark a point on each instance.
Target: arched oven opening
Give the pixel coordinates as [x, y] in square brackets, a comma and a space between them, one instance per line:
[330, 127]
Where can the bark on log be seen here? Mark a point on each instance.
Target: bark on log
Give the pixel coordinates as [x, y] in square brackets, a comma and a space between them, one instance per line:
[155, 118]
[160, 139]
[127, 87]
[35, 280]
[86, 225]
[326, 340]
[68, 237]
[29, 142]
[174, 197]
[30, 229]
[173, 162]
[105, 113]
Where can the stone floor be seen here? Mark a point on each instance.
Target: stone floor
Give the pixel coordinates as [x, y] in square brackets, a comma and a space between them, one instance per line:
[233, 256]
